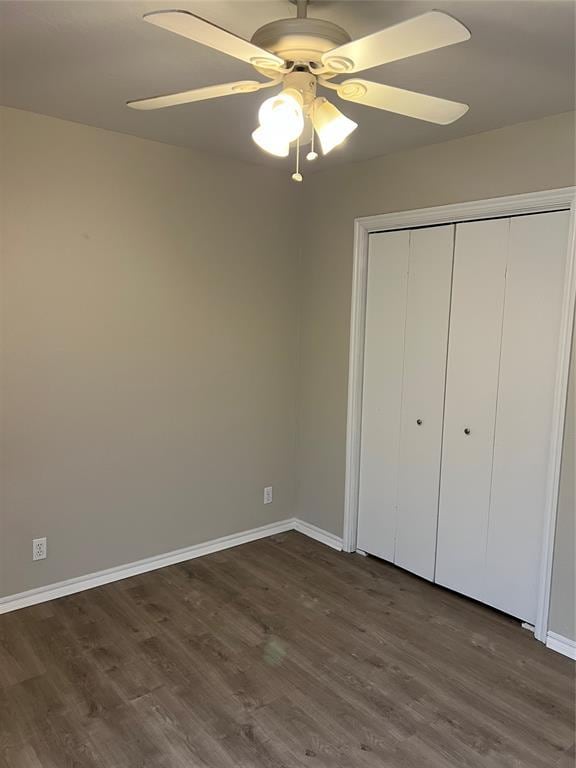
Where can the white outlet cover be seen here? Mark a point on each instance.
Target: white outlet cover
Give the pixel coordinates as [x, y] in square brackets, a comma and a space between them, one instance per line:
[268, 495]
[39, 548]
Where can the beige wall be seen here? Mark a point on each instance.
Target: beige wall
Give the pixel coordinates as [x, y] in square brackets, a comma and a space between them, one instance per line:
[529, 156]
[563, 601]
[149, 348]
[150, 384]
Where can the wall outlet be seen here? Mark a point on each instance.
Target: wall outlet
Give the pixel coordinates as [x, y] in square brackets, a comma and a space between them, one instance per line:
[268, 495]
[39, 549]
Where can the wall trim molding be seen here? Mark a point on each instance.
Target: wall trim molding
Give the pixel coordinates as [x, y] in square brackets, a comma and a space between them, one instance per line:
[513, 205]
[313, 532]
[560, 644]
[510, 205]
[109, 575]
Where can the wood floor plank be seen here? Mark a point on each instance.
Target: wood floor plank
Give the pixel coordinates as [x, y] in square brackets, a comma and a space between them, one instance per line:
[280, 653]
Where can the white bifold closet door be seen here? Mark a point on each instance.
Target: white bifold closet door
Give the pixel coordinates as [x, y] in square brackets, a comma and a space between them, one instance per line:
[537, 249]
[503, 350]
[425, 349]
[471, 394]
[382, 392]
[408, 308]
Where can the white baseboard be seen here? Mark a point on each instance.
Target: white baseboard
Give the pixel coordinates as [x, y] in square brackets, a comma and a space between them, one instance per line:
[555, 642]
[81, 583]
[330, 539]
[561, 644]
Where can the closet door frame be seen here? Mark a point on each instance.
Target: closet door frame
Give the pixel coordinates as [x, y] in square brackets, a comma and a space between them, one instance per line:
[514, 205]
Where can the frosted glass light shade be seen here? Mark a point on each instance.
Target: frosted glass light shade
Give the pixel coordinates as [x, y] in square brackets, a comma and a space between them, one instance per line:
[270, 142]
[282, 116]
[330, 124]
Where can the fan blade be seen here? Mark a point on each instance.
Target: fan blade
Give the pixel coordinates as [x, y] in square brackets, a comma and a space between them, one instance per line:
[422, 33]
[203, 32]
[199, 94]
[409, 103]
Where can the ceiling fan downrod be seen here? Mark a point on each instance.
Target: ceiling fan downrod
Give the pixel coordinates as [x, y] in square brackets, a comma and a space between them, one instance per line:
[301, 9]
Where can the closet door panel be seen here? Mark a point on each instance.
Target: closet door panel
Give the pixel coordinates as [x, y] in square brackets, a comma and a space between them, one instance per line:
[532, 317]
[471, 392]
[425, 349]
[382, 391]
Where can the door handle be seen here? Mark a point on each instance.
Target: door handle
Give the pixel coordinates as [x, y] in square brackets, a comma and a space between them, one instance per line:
[467, 431]
[419, 422]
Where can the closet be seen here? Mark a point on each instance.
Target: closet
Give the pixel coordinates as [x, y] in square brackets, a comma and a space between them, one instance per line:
[461, 342]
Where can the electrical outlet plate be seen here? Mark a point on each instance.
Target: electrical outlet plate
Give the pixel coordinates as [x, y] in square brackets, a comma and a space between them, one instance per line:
[268, 495]
[39, 549]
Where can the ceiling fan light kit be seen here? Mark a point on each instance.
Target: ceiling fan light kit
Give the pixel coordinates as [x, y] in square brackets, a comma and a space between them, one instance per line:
[300, 54]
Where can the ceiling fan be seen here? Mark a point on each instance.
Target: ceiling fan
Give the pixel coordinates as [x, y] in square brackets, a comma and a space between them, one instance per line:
[300, 54]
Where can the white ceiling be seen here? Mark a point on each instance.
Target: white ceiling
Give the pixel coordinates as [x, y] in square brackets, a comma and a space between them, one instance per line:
[82, 59]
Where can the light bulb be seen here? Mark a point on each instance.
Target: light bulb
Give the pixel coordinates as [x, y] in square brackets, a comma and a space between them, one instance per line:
[330, 124]
[270, 142]
[282, 116]
[311, 155]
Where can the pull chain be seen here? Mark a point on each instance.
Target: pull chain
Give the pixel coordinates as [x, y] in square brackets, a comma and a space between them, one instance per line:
[312, 155]
[297, 176]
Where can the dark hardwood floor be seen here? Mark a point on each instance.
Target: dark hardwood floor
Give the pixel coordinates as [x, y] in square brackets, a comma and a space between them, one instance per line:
[278, 654]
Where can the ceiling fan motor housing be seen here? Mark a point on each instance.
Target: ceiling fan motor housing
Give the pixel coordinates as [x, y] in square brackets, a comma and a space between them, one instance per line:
[301, 41]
